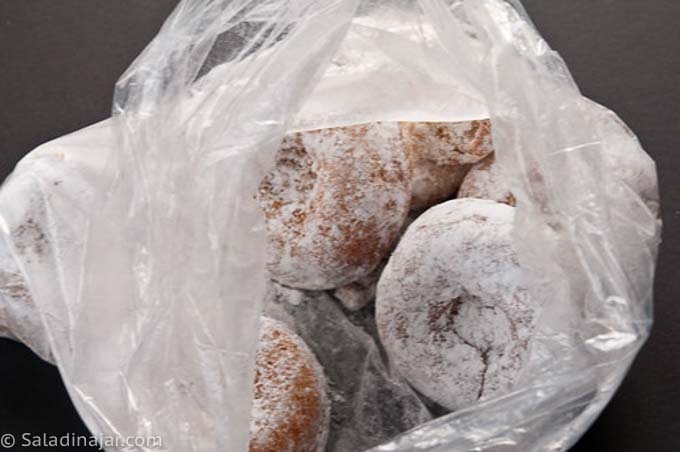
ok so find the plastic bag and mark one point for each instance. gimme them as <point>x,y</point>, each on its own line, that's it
<point>152,314</point>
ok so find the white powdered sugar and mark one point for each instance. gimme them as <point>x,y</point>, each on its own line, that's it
<point>336,198</point>
<point>360,293</point>
<point>485,181</point>
<point>453,307</point>
<point>291,410</point>
<point>628,173</point>
<point>334,204</point>
<point>441,155</point>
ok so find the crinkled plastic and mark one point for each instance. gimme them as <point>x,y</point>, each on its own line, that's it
<point>142,246</point>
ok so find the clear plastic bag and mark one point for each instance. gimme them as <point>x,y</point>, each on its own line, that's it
<point>152,314</point>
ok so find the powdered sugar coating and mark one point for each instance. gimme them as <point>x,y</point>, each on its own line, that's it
<point>453,308</point>
<point>360,293</point>
<point>633,170</point>
<point>334,204</point>
<point>291,410</point>
<point>485,181</point>
<point>441,155</point>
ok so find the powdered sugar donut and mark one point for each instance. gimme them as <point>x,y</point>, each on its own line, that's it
<point>291,411</point>
<point>453,308</point>
<point>334,204</point>
<point>485,181</point>
<point>631,171</point>
<point>44,207</point>
<point>441,154</point>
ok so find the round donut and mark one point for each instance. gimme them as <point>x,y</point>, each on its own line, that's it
<point>452,307</point>
<point>485,181</point>
<point>291,410</point>
<point>441,154</point>
<point>631,170</point>
<point>334,204</point>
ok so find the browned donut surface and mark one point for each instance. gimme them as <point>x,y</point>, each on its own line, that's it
<point>441,154</point>
<point>334,204</point>
<point>290,405</point>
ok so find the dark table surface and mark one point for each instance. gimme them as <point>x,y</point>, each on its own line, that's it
<point>60,59</point>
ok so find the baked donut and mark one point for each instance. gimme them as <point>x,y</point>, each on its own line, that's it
<point>291,410</point>
<point>485,181</point>
<point>441,154</point>
<point>334,204</point>
<point>453,308</point>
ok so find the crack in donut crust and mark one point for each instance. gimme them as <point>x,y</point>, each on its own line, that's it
<point>449,310</point>
<point>452,309</point>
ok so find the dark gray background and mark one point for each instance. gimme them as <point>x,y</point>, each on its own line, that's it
<point>60,59</point>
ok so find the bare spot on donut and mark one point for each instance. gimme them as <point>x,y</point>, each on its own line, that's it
<point>401,327</point>
<point>441,316</point>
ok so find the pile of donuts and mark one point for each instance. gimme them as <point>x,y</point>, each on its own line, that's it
<point>415,217</point>
<point>409,220</point>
